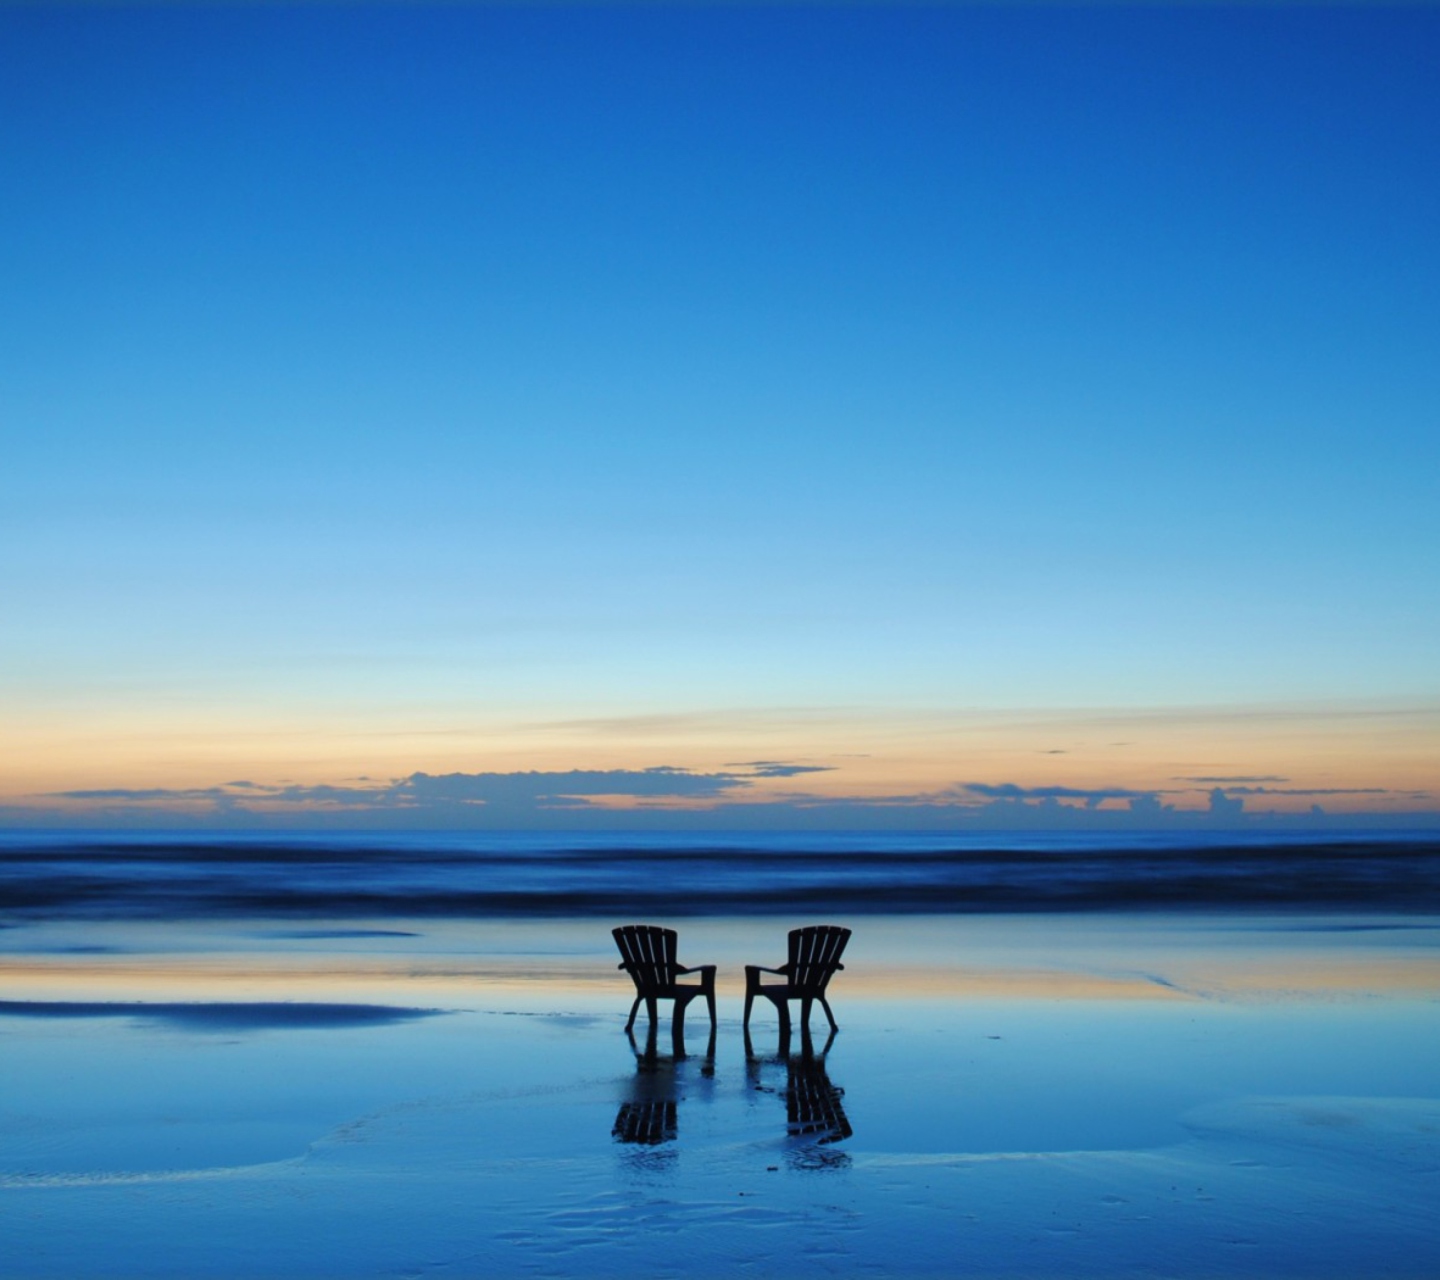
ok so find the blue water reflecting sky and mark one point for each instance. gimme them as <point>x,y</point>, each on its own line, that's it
<point>1160,1083</point>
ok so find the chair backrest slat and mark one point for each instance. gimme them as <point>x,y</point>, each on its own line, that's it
<point>648,954</point>
<point>815,953</point>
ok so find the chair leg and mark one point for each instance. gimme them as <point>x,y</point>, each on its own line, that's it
<point>652,1011</point>
<point>630,1026</point>
<point>825,1004</point>
<point>782,1007</point>
<point>707,989</point>
<point>749,1000</point>
<point>807,1045</point>
<point>805,1006</point>
<point>783,1048</point>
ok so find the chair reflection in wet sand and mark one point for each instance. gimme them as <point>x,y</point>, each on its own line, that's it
<point>812,1103</point>
<point>815,953</point>
<point>648,955</point>
<point>814,1113</point>
<point>650,1116</point>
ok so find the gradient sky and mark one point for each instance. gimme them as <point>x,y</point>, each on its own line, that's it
<point>939,398</point>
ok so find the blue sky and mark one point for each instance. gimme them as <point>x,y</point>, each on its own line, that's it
<point>398,389</point>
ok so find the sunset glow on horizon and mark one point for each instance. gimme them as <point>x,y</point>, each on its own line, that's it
<point>832,415</point>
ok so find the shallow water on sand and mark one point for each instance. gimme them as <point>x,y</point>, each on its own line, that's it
<point>1008,1096</point>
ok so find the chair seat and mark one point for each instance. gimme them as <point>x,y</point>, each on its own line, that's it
<point>782,990</point>
<point>670,991</point>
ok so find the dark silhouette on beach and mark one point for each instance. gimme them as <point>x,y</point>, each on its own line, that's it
<point>815,1118</point>
<point>814,958</point>
<point>648,955</point>
<point>650,1115</point>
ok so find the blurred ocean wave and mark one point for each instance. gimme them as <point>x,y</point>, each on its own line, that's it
<point>108,875</point>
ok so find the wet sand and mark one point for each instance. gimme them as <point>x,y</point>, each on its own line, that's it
<point>1195,1095</point>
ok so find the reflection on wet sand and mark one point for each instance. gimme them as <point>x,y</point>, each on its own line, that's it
<point>815,1119</point>
<point>815,1116</point>
<point>650,1115</point>
<point>224,1016</point>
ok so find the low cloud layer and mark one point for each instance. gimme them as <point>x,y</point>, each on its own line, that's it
<point>1243,778</point>
<point>527,789</point>
<point>669,795</point>
<point>1308,791</point>
<point>1093,797</point>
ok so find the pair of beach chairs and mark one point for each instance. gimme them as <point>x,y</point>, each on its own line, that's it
<point>648,954</point>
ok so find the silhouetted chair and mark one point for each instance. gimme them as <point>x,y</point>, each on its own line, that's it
<point>815,953</point>
<point>648,956</point>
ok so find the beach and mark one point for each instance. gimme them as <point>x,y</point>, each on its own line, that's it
<point>1107,1093</point>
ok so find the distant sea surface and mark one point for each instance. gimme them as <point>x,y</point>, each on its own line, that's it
<point>160,875</point>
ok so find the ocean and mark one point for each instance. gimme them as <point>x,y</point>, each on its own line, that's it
<point>437,874</point>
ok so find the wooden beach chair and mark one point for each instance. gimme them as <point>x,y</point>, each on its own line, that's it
<point>814,959</point>
<point>648,956</point>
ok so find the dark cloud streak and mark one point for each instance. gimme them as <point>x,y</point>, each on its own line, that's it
<point>1209,781</point>
<point>520,789</point>
<point>1092,796</point>
<point>1308,791</point>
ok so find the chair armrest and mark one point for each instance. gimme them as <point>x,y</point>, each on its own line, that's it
<point>783,971</point>
<point>699,968</point>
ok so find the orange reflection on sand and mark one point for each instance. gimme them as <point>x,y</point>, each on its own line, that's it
<point>1316,977</point>
<point>458,980</point>
<point>1016,984</point>
<point>443,981</point>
